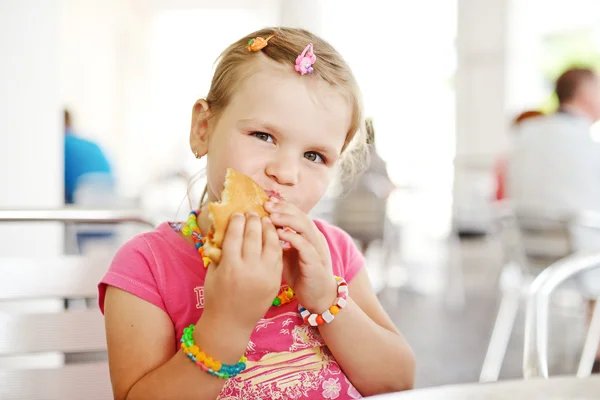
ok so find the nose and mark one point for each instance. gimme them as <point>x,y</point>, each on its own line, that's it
<point>283,169</point>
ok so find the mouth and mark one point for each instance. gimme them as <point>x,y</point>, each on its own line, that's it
<point>274,193</point>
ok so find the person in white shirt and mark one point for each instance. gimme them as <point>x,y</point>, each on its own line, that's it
<point>554,167</point>
<point>555,164</point>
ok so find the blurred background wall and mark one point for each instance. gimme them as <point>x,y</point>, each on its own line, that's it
<point>440,77</point>
<point>31,135</point>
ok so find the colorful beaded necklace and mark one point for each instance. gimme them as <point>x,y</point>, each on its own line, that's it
<point>191,228</point>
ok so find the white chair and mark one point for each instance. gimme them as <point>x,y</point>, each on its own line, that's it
<point>530,241</point>
<point>78,334</point>
<point>36,333</point>
<point>363,215</point>
<point>535,355</point>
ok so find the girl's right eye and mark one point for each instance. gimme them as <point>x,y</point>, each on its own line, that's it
<point>263,136</point>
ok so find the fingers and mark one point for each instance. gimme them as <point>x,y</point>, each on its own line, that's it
<point>274,205</point>
<point>254,241</point>
<point>306,250</point>
<point>232,243</point>
<point>284,214</point>
<point>271,249</point>
<point>253,237</point>
<point>269,234</point>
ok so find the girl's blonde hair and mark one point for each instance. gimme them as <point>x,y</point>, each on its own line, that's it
<point>286,44</point>
<point>283,48</point>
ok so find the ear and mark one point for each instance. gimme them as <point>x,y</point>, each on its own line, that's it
<point>199,129</point>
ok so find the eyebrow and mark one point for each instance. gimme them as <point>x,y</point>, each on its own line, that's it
<point>271,128</point>
<point>264,125</point>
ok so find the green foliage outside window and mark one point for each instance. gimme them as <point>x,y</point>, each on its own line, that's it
<point>565,50</point>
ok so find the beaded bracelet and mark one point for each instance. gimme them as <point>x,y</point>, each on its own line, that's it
<point>213,367</point>
<point>329,315</point>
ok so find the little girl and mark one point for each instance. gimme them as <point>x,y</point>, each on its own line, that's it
<point>266,322</point>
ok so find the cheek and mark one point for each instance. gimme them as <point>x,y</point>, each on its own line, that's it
<point>215,178</point>
<point>232,152</point>
<point>218,160</point>
<point>242,154</point>
<point>314,189</point>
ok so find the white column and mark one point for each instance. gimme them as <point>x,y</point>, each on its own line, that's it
<point>481,97</point>
<point>526,87</point>
<point>481,78</point>
<point>31,138</point>
<point>92,50</point>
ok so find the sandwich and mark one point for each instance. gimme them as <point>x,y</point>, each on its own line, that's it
<point>240,194</point>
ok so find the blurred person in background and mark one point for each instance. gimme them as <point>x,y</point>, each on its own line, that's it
<point>84,162</point>
<point>500,169</point>
<point>89,182</point>
<point>555,164</point>
<point>554,167</point>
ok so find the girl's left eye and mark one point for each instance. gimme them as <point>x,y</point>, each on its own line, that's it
<point>314,157</point>
<point>263,136</point>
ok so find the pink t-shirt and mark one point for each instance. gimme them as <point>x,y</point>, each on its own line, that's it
<point>286,359</point>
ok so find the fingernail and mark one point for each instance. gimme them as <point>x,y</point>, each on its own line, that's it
<point>237,215</point>
<point>269,204</point>
<point>274,215</point>
<point>267,220</point>
<point>274,200</point>
<point>252,214</point>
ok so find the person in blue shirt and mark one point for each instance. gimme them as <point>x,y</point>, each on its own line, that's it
<point>82,157</point>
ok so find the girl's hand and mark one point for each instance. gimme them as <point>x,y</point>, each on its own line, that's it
<point>241,288</point>
<point>307,267</point>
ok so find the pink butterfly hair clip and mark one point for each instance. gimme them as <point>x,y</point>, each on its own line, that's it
<point>305,61</point>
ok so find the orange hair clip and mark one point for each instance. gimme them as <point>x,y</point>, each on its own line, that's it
<point>258,43</point>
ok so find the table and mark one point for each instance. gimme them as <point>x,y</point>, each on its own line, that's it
<point>556,388</point>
